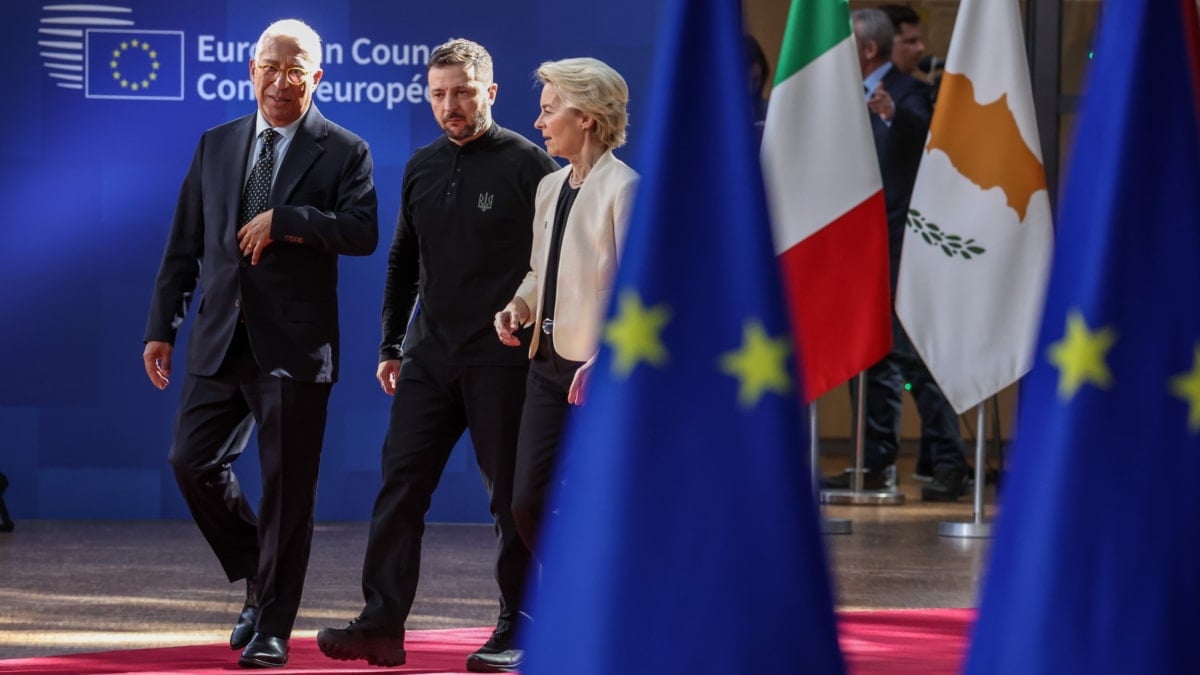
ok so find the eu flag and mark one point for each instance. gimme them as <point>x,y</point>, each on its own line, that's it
<point>686,537</point>
<point>1096,563</point>
<point>137,64</point>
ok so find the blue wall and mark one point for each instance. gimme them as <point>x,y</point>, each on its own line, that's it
<point>90,184</point>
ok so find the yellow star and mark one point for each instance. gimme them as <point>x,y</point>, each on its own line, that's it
<point>635,334</point>
<point>759,365</point>
<point>1187,387</point>
<point>1080,356</point>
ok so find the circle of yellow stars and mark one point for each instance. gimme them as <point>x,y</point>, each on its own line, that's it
<point>1081,358</point>
<point>759,364</point>
<point>134,46</point>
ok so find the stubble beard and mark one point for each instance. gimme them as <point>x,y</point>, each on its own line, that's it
<point>479,122</point>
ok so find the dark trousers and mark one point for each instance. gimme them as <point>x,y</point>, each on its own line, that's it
<point>885,389</point>
<point>216,416</point>
<point>432,406</point>
<point>543,420</point>
<point>4,517</point>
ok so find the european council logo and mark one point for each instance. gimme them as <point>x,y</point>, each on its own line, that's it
<point>96,48</point>
<point>141,64</point>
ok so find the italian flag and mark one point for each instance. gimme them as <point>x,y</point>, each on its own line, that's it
<point>826,199</point>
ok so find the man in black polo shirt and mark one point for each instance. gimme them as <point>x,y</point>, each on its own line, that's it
<point>462,244</point>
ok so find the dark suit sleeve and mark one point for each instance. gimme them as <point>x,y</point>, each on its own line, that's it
<point>351,227</point>
<point>403,273</point>
<point>914,110</point>
<point>180,269</point>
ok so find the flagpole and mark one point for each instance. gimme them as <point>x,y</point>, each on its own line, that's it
<point>976,529</point>
<point>856,495</point>
<point>828,525</point>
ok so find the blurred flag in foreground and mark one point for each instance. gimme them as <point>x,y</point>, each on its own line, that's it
<point>826,199</point>
<point>1094,567</point>
<point>685,536</point>
<point>979,238</point>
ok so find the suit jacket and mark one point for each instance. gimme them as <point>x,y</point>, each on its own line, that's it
<point>591,247</point>
<point>899,148</point>
<point>325,206</point>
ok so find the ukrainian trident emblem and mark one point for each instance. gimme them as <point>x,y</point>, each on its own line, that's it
<point>485,201</point>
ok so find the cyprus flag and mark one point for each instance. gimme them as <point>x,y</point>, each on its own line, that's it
<point>978,243</point>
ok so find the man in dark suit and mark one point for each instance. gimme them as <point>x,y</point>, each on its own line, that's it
<point>269,203</point>
<point>462,244</point>
<point>900,112</point>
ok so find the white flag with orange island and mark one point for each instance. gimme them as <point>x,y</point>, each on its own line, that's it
<point>979,236</point>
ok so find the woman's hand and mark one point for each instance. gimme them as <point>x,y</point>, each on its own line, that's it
<point>575,394</point>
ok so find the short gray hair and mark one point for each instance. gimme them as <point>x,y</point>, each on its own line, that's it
<point>592,87</point>
<point>302,33</point>
<point>465,53</point>
<point>873,25</point>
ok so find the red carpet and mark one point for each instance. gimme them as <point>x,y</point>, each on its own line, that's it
<point>926,641</point>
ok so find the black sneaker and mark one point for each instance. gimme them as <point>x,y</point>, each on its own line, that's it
<point>364,641</point>
<point>498,655</point>
<point>947,486</point>
<point>872,480</point>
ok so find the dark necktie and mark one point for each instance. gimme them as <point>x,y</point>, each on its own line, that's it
<point>258,187</point>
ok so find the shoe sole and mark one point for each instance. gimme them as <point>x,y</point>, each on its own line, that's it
<point>259,663</point>
<point>338,652</point>
<point>477,666</point>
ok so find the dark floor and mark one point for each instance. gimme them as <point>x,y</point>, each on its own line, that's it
<point>77,586</point>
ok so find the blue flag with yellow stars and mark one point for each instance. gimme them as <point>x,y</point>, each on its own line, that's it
<point>1096,563</point>
<point>684,537</point>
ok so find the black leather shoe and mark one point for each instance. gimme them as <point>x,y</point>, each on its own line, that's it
<point>264,651</point>
<point>243,630</point>
<point>497,655</point>
<point>872,480</point>
<point>947,486</point>
<point>365,641</point>
<point>507,661</point>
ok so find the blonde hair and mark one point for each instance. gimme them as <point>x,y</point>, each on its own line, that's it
<point>592,87</point>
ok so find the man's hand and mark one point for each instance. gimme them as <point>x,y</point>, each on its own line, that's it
<point>881,103</point>
<point>387,373</point>
<point>157,359</point>
<point>256,235</point>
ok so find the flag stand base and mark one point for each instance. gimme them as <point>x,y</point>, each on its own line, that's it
<point>965,530</point>
<point>977,528</point>
<point>864,498</point>
<point>836,526</point>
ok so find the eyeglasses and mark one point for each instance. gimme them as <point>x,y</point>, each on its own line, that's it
<point>294,75</point>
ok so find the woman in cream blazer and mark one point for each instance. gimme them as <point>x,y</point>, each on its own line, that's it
<point>580,217</point>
